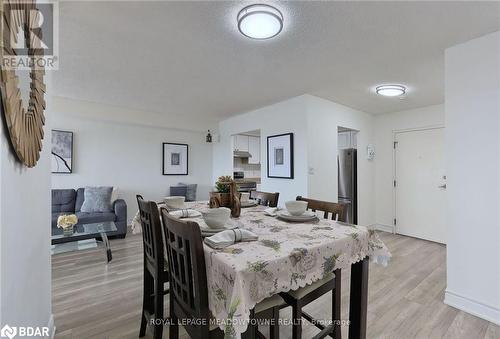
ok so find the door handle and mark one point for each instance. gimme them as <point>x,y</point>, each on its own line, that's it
<point>442,186</point>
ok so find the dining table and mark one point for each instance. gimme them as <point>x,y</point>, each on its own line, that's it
<point>286,256</point>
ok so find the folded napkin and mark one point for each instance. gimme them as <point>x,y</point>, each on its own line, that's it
<point>271,211</point>
<point>184,213</point>
<point>226,238</point>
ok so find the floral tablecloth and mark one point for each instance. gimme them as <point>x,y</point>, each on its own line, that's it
<point>286,256</point>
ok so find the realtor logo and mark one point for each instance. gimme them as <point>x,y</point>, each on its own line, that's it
<point>30,34</point>
<point>9,332</point>
<point>30,23</point>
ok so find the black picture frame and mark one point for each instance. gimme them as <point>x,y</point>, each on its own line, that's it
<point>59,157</point>
<point>164,169</point>
<point>290,157</point>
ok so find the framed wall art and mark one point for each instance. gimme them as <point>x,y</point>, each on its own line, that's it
<point>280,156</point>
<point>62,152</point>
<point>175,159</point>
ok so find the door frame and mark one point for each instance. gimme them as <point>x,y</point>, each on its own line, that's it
<point>394,174</point>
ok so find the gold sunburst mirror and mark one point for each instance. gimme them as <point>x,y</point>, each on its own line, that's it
<point>22,101</point>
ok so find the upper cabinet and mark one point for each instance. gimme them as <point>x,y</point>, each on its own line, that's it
<point>250,144</point>
<point>240,143</point>
<point>254,150</point>
<point>347,139</point>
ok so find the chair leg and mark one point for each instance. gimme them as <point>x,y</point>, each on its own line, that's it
<point>158,310</point>
<point>251,332</point>
<point>142,331</point>
<point>274,328</point>
<point>174,325</point>
<point>297,321</point>
<point>336,303</point>
<point>146,302</point>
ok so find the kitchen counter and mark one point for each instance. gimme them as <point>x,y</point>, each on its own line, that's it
<point>248,180</point>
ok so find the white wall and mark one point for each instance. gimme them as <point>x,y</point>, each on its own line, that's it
<point>126,155</point>
<point>324,117</point>
<point>385,126</point>
<point>25,269</point>
<point>472,103</point>
<point>284,117</point>
<point>314,123</point>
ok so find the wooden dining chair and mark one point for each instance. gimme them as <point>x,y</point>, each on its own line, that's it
<point>265,198</point>
<point>189,287</point>
<point>305,295</point>
<point>336,210</point>
<point>155,270</point>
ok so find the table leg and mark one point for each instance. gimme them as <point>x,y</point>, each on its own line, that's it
<point>358,299</point>
<point>106,246</point>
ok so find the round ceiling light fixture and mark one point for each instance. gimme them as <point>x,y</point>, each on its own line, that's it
<point>260,21</point>
<point>391,90</point>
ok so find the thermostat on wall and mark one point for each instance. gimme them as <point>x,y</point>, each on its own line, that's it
<point>370,152</point>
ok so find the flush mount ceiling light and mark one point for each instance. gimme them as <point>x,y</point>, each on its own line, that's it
<point>260,21</point>
<point>391,90</point>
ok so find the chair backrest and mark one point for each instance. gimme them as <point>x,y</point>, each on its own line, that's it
<point>152,235</point>
<point>337,210</point>
<point>186,260</point>
<point>265,198</point>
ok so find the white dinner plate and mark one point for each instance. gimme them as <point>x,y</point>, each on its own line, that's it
<point>250,203</point>
<point>307,216</point>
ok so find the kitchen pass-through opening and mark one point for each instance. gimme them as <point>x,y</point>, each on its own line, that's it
<point>247,160</point>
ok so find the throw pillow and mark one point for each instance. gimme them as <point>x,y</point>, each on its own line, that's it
<point>178,191</point>
<point>114,195</point>
<point>190,191</point>
<point>97,199</point>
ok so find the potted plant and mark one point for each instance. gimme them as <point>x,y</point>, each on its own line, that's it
<point>226,195</point>
<point>67,222</point>
<point>221,197</point>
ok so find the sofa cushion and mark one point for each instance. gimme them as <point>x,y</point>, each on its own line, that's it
<point>90,218</point>
<point>80,196</point>
<point>190,191</point>
<point>63,200</point>
<point>97,199</point>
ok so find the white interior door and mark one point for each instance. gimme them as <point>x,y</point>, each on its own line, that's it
<point>420,187</point>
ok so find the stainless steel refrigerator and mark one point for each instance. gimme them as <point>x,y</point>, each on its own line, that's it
<point>347,182</point>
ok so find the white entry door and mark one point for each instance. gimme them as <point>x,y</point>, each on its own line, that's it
<point>420,185</point>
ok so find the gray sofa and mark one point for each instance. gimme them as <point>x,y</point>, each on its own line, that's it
<point>69,201</point>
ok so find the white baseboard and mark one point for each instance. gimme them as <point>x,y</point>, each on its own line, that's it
<point>52,327</point>
<point>384,228</point>
<point>473,307</point>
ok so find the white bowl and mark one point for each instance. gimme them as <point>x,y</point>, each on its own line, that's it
<point>176,202</point>
<point>245,197</point>
<point>296,207</point>
<point>216,217</point>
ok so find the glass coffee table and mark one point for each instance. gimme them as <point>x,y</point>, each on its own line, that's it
<point>84,237</point>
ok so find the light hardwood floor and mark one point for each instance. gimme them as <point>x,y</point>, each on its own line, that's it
<point>93,300</point>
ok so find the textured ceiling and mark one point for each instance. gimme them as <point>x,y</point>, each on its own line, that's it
<point>187,58</point>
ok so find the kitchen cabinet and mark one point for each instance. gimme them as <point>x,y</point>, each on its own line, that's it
<point>240,143</point>
<point>347,139</point>
<point>254,150</point>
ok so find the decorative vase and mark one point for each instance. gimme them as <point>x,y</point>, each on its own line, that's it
<point>67,231</point>
<point>231,199</point>
<point>220,199</point>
